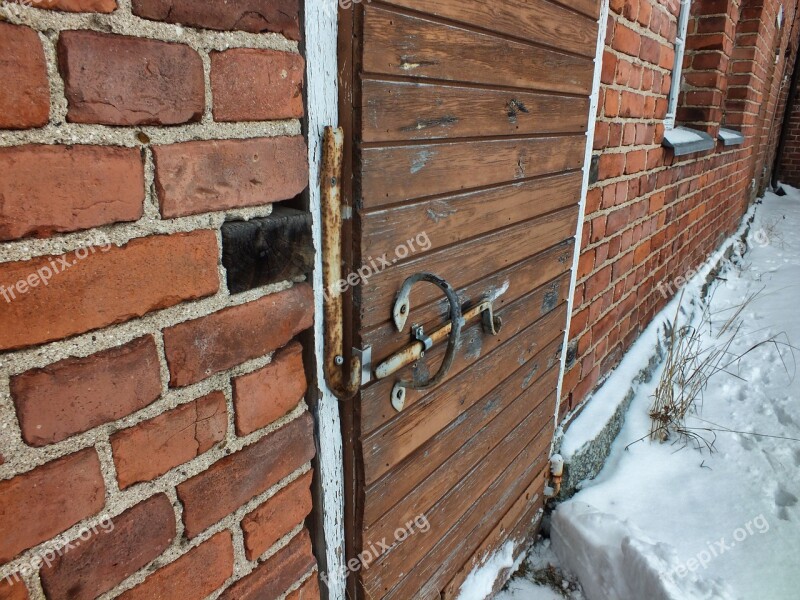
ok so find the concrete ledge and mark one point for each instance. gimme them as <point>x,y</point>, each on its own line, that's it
<point>730,137</point>
<point>683,141</point>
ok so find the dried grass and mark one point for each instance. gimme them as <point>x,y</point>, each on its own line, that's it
<point>690,363</point>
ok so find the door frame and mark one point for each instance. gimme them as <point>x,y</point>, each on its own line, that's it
<point>322,94</point>
<point>594,101</point>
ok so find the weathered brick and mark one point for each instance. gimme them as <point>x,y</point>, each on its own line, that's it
<point>237,478</point>
<point>86,186</point>
<point>152,448</point>
<point>255,16</point>
<point>197,349</point>
<point>261,397</point>
<point>77,394</point>
<point>276,517</point>
<point>194,576</point>
<point>140,534</point>
<point>308,591</point>
<point>121,80</point>
<point>257,85</point>
<point>203,176</point>
<point>13,589</point>
<point>25,93</point>
<point>99,286</point>
<point>273,577</point>
<point>48,500</point>
<point>98,6</point>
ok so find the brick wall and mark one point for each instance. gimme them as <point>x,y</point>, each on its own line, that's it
<point>651,216</point>
<point>789,168</point>
<point>155,439</point>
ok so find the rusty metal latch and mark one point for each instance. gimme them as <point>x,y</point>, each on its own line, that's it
<point>422,342</point>
<point>343,385</point>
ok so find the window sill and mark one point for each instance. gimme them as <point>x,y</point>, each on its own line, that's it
<point>683,141</point>
<point>730,137</point>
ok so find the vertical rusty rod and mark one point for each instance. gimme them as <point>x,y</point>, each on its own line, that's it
<point>333,307</point>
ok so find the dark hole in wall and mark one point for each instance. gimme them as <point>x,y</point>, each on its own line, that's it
<point>267,250</point>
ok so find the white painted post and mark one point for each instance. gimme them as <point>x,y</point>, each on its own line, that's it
<point>587,161</point>
<point>322,89</point>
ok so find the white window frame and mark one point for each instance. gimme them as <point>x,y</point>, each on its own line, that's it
<point>677,67</point>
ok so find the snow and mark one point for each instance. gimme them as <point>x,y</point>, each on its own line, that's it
<point>675,521</point>
<point>480,582</point>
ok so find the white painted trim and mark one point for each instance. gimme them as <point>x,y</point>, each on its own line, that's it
<point>322,89</point>
<point>587,162</point>
<point>677,66</point>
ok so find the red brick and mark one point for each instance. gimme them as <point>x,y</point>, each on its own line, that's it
<point>194,576</point>
<point>121,80</point>
<point>276,517</point>
<point>105,287</point>
<point>626,40</point>
<point>152,448</point>
<point>261,397</point>
<point>78,394</point>
<point>273,577</point>
<point>257,85</point>
<point>48,500</point>
<point>234,480</point>
<point>25,93</point>
<point>255,16</point>
<point>308,591</point>
<point>140,534</point>
<point>198,177</point>
<point>611,165</point>
<point>635,161</point>
<point>86,186</point>
<point>14,589</point>
<point>98,6</point>
<point>197,349</point>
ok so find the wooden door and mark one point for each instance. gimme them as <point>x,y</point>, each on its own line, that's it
<point>466,123</point>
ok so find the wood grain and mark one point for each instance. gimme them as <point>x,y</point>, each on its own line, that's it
<point>389,445</point>
<point>410,46</point>
<point>414,486</point>
<point>533,20</point>
<point>453,219</point>
<point>376,406</point>
<point>472,261</point>
<point>403,173</point>
<point>407,110</point>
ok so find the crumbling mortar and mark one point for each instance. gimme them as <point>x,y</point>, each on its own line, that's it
<point>108,135</point>
<point>123,22</point>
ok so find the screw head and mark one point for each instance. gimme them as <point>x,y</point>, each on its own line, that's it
<point>339,360</point>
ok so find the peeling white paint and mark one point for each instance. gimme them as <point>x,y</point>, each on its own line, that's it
<point>321,82</point>
<point>593,102</point>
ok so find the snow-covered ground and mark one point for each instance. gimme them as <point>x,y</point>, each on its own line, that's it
<point>670,521</point>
